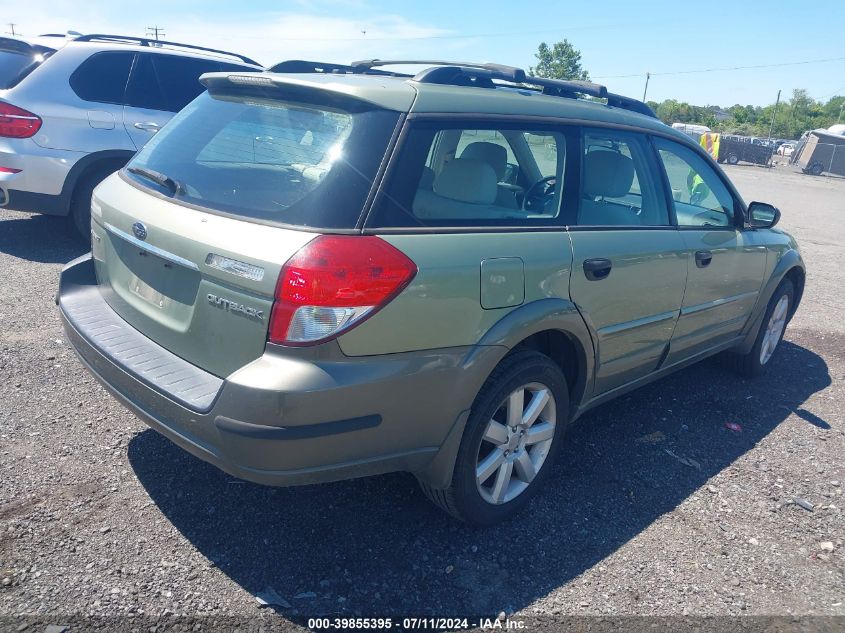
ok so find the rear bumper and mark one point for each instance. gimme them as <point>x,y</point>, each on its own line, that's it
<point>291,416</point>
<point>40,182</point>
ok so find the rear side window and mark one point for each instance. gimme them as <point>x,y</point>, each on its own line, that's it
<point>169,82</point>
<point>474,176</point>
<point>102,77</point>
<point>300,162</point>
<point>619,186</point>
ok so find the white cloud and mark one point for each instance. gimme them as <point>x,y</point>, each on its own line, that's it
<point>319,34</point>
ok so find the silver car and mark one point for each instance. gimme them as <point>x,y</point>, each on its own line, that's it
<point>74,109</point>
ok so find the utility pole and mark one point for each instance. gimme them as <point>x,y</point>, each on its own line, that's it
<point>11,30</point>
<point>772,126</point>
<point>647,77</point>
<point>155,31</point>
<point>841,107</point>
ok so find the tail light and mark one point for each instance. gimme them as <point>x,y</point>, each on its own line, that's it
<point>332,284</point>
<point>16,122</point>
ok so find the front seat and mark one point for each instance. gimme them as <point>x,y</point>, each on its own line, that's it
<point>496,156</point>
<point>607,174</point>
<point>464,190</point>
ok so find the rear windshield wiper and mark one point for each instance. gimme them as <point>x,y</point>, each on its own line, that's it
<point>160,179</point>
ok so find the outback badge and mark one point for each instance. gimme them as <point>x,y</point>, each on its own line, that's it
<point>237,308</point>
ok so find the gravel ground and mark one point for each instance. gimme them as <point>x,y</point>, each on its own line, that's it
<point>101,516</point>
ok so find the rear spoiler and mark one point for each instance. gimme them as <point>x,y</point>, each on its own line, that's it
<point>399,98</point>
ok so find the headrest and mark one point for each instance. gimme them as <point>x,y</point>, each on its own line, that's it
<point>494,155</point>
<point>467,180</point>
<point>426,178</point>
<point>607,174</point>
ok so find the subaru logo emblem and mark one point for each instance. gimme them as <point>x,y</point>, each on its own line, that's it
<point>139,230</point>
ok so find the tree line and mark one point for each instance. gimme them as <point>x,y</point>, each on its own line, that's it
<point>792,116</point>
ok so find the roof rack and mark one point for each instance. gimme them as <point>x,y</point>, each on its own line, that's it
<point>481,75</point>
<point>143,41</point>
<point>303,66</point>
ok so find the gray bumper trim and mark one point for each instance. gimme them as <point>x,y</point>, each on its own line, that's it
<point>90,315</point>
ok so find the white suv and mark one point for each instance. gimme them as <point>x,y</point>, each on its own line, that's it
<point>75,109</point>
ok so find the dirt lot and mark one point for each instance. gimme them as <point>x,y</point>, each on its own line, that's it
<point>101,516</point>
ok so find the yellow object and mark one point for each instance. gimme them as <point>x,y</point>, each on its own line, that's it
<point>710,142</point>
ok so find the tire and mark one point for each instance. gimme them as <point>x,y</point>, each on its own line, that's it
<point>815,169</point>
<point>475,502</point>
<point>80,205</point>
<point>754,363</point>
<point>732,159</point>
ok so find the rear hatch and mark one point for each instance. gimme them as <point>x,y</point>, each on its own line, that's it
<point>190,237</point>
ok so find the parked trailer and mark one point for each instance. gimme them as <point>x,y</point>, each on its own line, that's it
<point>727,148</point>
<point>733,149</point>
<point>821,152</point>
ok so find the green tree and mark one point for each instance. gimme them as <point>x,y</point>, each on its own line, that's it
<point>561,61</point>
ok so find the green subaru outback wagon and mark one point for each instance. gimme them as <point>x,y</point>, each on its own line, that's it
<point>323,272</point>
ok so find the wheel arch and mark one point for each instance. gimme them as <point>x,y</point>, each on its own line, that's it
<point>552,326</point>
<point>85,167</point>
<point>789,266</point>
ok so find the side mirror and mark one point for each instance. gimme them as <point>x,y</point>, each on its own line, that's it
<point>511,173</point>
<point>762,215</point>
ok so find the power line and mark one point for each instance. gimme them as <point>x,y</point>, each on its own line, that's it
<point>725,68</point>
<point>155,31</point>
<point>445,36</point>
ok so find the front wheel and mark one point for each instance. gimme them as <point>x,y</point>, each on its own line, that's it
<point>771,332</point>
<point>513,432</point>
<point>733,159</point>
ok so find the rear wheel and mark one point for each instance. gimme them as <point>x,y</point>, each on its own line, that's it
<point>771,332</point>
<point>732,159</point>
<point>80,205</point>
<point>513,432</point>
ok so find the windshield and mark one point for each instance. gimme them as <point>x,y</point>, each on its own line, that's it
<point>297,162</point>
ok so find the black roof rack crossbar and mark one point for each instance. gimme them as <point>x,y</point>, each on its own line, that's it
<point>463,76</point>
<point>143,41</point>
<point>303,66</point>
<point>506,73</point>
<point>629,103</point>
<point>567,88</point>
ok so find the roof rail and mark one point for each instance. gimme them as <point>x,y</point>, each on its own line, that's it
<point>303,66</point>
<point>508,73</point>
<point>481,75</point>
<point>143,41</point>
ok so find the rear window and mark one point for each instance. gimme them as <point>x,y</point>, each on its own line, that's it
<point>302,162</point>
<point>15,65</point>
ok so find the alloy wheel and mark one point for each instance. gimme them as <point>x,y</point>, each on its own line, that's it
<point>516,443</point>
<point>774,329</point>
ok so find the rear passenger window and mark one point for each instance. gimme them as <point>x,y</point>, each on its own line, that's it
<point>618,184</point>
<point>168,82</point>
<point>102,77</point>
<point>474,176</point>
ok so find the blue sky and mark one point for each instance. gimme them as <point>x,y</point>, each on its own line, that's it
<point>620,40</point>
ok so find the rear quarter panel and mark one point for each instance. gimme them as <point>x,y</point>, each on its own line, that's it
<point>442,305</point>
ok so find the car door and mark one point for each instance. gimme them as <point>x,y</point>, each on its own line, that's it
<point>159,86</point>
<point>95,123</point>
<point>629,268</point>
<point>725,263</point>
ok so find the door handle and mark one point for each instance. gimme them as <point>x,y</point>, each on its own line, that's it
<point>597,269</point>
<point>148,126</point>
<point>703,258</point>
